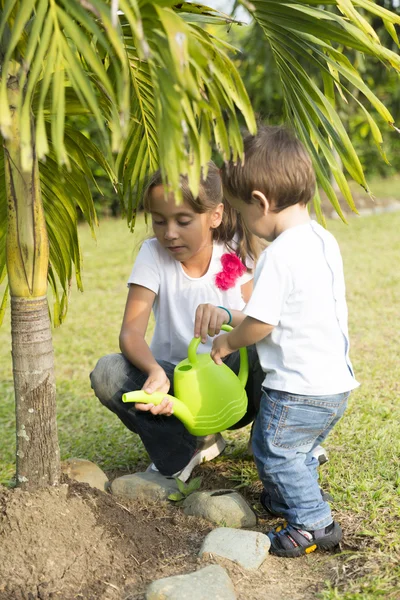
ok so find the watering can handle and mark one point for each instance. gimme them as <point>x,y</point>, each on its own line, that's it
<point>244,359</point>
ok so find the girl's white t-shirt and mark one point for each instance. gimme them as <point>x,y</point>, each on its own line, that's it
<point>178,296</point>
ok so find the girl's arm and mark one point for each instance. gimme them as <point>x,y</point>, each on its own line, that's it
<point>135,348</point>
<point>209,318</point>
<point>133,329</point>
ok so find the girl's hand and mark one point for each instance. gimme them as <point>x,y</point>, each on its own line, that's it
<point>157,381</point>
<point>221,348</point>
<point>209,320</point>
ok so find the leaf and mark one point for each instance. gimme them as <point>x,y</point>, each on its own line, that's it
<point>193,485</point>
<point>318,209</point>
<point>3,305</point>
<point>21,18</point>
<point>176,497</point>
<point>5,14</point>
<point>181,486</point>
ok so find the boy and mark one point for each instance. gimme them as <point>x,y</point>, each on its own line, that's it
<point>297,316</point>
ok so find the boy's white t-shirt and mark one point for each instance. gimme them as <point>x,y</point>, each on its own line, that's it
<point>178,296</point>
<point>299,288</point>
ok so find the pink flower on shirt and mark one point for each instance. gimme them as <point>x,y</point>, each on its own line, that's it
<point>232,269</point>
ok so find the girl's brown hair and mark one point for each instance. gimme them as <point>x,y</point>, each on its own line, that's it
<point>210,195</point>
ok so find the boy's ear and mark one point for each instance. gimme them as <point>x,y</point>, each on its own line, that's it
<point>260,199</point>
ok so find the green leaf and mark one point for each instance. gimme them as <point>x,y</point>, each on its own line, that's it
<point>58,116</point>
<point>3,305</point>
<point>176,497</point>
<point>318,209</point>
<point>193,485</point>
<point>181,486</point>
<point>6,12</point>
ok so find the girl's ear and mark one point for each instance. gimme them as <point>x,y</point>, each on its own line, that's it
<point>216,215</point>
<point>260,200</point>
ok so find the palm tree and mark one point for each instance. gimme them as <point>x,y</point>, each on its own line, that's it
<point>160,88</point>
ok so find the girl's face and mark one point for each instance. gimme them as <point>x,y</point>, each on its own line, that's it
<point>179,229</point>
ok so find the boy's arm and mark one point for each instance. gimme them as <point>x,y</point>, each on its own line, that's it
<point>250,331</point>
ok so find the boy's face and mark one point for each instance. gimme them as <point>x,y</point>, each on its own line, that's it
<point>257,216</point>
<point>179,229</point>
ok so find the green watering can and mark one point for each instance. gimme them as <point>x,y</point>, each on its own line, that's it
<point>209,398</point>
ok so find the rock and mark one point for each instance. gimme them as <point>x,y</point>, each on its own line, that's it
<point>210,582</point>
<point>248,549</point>
<point>144,486</point>
<point>85,471</point>
<point>222,507</point>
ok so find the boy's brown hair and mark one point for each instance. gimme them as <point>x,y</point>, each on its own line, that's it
<point>276,164</point>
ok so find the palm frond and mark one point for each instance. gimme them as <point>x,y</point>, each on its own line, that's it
<point>139,153</point>
<point>72,46</point>
<point>186,93</point>
<point>64,191</point>
<point>307,39</point>
<point>62,51</point>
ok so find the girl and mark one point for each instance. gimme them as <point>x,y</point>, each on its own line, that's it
<point>195,274</point>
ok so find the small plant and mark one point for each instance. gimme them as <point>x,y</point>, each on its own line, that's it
<point>185,489</point>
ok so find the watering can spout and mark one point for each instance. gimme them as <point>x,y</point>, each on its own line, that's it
<point>180,409</point>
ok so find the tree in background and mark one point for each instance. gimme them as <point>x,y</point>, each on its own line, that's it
<point>161,90</point>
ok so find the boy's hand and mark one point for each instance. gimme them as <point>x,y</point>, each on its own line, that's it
<point>209,320</point>
<point>157,381</point>
<point>221,348</point>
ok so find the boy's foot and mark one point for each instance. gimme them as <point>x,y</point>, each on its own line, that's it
<point>290,542</point>
<point>209,447</point>
<point>320,454</point>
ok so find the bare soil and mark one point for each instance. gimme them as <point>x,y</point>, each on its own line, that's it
<point>75,542</point>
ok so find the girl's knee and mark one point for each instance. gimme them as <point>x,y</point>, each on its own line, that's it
<point>108,376</point>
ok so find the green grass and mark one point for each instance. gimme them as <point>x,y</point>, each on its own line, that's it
<point>363,473</point>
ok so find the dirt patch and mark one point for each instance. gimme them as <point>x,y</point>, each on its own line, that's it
<point>74,542</point>
<point>50,546</point>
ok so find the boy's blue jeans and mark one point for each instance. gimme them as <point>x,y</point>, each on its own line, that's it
<point>288,427</point>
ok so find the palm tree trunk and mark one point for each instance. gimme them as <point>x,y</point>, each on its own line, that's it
<point>38,457</point>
